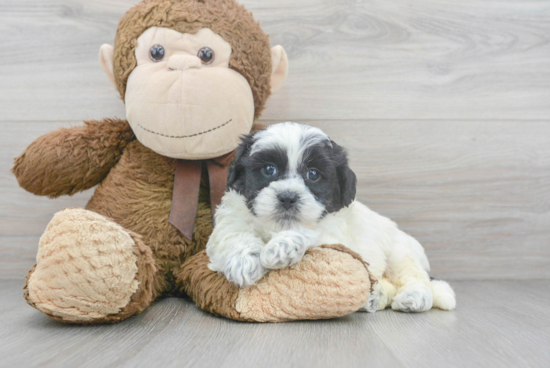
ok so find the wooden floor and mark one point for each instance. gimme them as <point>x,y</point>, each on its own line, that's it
<point>497,324</point>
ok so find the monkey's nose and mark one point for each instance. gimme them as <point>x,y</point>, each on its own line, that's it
<point>183,62</point>
<point>288,200</point>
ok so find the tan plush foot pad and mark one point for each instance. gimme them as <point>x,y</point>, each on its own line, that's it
<point>330,281</point>
<point>90,270</point>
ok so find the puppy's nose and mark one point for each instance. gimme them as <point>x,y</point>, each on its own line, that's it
<point>288,200</point>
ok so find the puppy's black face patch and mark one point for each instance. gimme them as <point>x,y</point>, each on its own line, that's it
<point>261,169</point>
<point>318,170</point>
<point>248,175</point>
<point>326,173</point>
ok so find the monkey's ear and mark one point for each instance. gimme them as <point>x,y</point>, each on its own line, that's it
<point>279,62</point>
<point>106,60</point>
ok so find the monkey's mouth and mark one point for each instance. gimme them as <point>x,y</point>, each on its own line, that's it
<point>185,136</point>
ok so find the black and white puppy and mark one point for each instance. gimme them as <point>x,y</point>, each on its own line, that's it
<point>290,188</point>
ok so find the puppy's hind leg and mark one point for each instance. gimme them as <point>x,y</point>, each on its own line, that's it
<point>408,269</point>
<point>414,293</point>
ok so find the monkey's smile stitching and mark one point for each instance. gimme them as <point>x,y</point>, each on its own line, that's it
<point>186,136</point>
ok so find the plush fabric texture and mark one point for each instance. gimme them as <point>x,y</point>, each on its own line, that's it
<point>47,168</point>
<point>330,281</point>
<point>137,194</point>
<point>210,290</point>
<point>251,54</point>
<point>89,269</point>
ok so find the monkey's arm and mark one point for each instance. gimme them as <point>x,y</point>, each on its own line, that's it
<point>71,160</point>
<point>330,281</point>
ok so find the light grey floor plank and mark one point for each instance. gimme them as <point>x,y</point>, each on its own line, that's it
<point>475,193</point>
<point>373,59</point>
<point>497,324</point>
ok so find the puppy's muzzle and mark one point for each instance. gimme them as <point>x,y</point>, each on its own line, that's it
<point>288,200</point>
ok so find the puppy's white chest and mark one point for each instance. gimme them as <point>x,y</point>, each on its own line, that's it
<point>335,231</point>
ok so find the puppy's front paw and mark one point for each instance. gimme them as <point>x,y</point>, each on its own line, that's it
<point>244,269</point>
<point>417,298</point>
<point>282,251</point>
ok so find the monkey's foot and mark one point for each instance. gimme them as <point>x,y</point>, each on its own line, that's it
<point>330,281</point>
<point>90,270</point>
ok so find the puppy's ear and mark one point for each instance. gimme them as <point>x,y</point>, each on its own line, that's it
<point>346,177</point>
<point>236,175</point>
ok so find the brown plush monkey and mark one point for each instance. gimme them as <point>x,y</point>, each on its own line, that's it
<point>194,76</point>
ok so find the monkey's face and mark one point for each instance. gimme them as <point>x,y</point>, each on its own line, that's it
<point>182,99</point>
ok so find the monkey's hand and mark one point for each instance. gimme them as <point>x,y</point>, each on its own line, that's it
<point>71,160</point>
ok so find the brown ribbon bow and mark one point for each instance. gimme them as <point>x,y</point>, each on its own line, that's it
<point>185,197</point>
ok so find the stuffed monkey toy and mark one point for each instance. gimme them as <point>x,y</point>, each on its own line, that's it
<point>194,76</point>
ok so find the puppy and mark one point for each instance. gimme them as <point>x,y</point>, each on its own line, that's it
<point>290,188</point>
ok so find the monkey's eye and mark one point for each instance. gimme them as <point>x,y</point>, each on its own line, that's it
<point>313,175</point>
<point>269,170</point>
<point>206,54</point>
<point>157,53</point>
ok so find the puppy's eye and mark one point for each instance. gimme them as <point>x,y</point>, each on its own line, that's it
<point>157,53</point>
<point>269,170</point>
<point>206,54</point>
<point>313,175</point>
